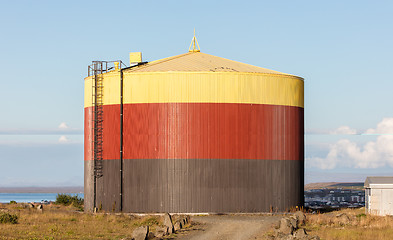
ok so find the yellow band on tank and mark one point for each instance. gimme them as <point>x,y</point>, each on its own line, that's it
<point>111,89</point>
<point>201,87</point>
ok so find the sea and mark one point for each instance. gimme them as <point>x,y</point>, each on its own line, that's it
<point>31,197</point>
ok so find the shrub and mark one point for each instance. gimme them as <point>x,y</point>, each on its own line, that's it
<point>8,218</point>
<point>12,202</point>
<point>66,200</point>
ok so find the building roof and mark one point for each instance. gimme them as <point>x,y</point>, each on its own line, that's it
<point>200,62</point>
<point>378,180</point>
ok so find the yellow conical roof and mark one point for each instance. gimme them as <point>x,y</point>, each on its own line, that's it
<point>199,62</point>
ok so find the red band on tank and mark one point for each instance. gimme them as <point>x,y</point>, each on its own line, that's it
<point>111,132</point>
<point>202,131</point>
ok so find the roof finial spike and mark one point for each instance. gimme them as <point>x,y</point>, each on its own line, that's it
<point>194,46</point>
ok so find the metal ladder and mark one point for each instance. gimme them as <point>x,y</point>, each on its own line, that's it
<point>96,70</point>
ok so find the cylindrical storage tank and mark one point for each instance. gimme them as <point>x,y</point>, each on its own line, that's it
<point>199,133</point>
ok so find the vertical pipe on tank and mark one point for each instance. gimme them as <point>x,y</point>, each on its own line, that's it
<point>94,137</point>
<point>121,139</point>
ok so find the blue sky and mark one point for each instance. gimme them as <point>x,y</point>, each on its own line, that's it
<point>343,49</point>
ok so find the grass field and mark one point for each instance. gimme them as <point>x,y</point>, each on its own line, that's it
<point>350,224</point>
<point>65,222</point>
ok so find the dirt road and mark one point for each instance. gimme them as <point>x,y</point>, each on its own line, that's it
<point>236,227</point>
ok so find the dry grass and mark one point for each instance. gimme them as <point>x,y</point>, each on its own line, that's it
<point>60,222</point>
<point>350,224</point>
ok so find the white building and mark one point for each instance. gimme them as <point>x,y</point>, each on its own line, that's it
<point>379,195</point>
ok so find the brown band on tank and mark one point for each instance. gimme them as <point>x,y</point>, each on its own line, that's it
<point>202,185</point>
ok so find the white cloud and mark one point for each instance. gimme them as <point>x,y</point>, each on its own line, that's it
<point>384,127</point>
<point>373,154</point>
<point>64,139</point>
<point>62,129</point>
<point>63,125</point>
<point>344,130</point>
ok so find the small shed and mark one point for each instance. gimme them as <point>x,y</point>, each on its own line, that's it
<point>379,195</point>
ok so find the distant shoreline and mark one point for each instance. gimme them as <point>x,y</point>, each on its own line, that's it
<point>41,189</point>
<point>79,189</point>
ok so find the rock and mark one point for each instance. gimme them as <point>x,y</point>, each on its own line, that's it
<point>188,219</point>
<point>282,236</point>
<point>140,233</point>
<point>168,223</point>
<point>301,217</point>
<point>95,210</point>
<point>343,219</point>
<point>152,236</point>
<point>31,205</point>
<point>159,235</point>
<point>294,222</point>
<point>161,232</point>
<point>300,234</point>
<point>183,222</point>
<point>40,208</point>
<point>23,205</point>
<point>177,226</point>
<point>314,238</point>
<point>285,226</point>
<point>276,225</point>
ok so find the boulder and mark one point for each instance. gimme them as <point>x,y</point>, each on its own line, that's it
<point>314,238</point>
<point>40,208</point>
<point>300,234</point>
<point>294,222</point>
<point>301,217</point>
<point>177,226</point>
<point>285,226</point>
<point>31,205</point>
<point>168,223</point>
<point>152,236</point>
<point>23,205</point>
<point>282,236</point>
<point>188,219</point>
<point>140,233</point>
<point>161,232</point>
<point>183,222</point>
<point>342,219</point>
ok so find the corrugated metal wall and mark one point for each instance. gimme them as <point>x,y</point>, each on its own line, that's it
<point>201,142</point>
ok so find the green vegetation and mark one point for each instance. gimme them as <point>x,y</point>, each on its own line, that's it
<point>66,200</point>
<point>13,202</point>
<point>8,218</point>
<point>361,215</point>
<point>149,221</point>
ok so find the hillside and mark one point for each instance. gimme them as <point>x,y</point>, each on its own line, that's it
<point>344,185</point>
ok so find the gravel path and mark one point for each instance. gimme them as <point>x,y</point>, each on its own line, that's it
<point>237,227</point>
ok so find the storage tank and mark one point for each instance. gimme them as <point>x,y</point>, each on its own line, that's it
<point>193,133</point>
